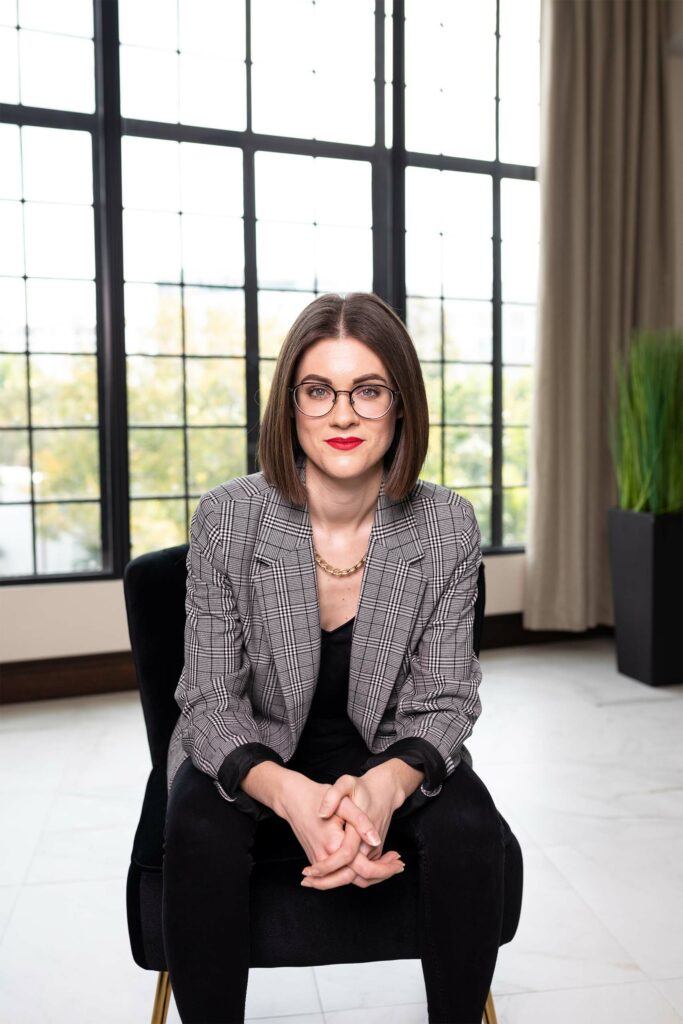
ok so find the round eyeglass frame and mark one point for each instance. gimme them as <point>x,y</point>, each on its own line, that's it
<point>342,391</point>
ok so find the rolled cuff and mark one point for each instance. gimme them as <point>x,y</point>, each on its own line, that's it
<point>419,753</point>
<point>235,767</point>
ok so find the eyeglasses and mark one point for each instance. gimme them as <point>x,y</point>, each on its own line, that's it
<point>371,401</point>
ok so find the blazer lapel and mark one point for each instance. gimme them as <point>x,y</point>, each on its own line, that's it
<point>285,586</point>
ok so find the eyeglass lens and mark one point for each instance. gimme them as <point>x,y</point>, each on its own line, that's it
<point>369,400</point>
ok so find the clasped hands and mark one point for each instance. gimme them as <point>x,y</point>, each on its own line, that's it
<point>342,828</point>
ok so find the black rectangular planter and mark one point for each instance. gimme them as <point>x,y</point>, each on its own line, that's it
<point>646,559</point>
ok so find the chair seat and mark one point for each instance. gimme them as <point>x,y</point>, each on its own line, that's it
<point>290,925</point>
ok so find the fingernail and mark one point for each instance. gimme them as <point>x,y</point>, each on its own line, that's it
<point>305,881</point>
<point>374,838</point>
<point>306,871</point>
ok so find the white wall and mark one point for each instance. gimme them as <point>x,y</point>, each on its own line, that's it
<point>65,619</point>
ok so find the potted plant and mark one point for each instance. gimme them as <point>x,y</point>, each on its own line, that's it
<point>645,531</point>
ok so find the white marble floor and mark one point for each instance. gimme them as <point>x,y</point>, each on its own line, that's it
<point>585,764</point>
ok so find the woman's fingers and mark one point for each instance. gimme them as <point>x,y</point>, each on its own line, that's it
<point>339,858</point>
<point>339,799</point>
<point>370,873</point>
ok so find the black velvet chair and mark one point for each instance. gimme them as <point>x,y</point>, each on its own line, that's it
<point>154,586</point>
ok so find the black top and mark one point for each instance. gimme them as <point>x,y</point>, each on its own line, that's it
<point>329,735</point>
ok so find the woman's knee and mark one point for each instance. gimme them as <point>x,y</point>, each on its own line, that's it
<point>198,817</point>
<point>463,814</point>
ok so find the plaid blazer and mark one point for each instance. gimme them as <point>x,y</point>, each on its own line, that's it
<point>252,632</point>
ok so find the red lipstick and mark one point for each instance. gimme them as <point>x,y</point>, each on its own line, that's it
<point>344,444</point>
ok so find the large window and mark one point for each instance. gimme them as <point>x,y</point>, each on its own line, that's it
<point>178,179</point>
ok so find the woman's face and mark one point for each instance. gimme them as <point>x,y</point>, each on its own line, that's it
<point>340,362</point>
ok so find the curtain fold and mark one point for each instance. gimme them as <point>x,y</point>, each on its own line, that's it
<point>606,266</point>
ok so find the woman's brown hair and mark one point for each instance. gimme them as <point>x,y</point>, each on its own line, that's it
<point>366,317</point>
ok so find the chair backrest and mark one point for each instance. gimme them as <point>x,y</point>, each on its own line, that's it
<point>154,587</point>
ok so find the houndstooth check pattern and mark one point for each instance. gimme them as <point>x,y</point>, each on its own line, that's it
<point>252,632</point>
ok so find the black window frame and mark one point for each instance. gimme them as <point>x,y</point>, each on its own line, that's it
<point>388,167</point>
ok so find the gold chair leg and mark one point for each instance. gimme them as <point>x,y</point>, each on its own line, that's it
<point>162,998</point>
<point>490,1010</point>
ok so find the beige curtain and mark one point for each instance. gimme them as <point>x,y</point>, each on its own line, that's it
<point>605,267</point>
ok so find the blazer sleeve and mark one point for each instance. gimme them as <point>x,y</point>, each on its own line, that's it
<point>219,734</point>
<point>439,699</point>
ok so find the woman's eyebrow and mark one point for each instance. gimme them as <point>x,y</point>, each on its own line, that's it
<point>356,380</point>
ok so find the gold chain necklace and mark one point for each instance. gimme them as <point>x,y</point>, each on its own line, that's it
<point>337,572</point>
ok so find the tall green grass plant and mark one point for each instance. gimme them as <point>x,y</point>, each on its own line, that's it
<point>646,426</point>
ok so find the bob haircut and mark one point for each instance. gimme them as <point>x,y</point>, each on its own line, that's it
<point>366,317</point>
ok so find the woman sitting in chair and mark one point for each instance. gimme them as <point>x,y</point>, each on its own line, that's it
<point>330,679</point>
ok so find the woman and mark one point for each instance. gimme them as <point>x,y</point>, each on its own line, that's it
<point>329,678</point>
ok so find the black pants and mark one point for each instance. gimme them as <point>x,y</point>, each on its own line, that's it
<point>458,837</point>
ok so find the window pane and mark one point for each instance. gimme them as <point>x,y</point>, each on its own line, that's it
<point>157,524</point>
<point>62,316</point>
<point>60,240</point>
<point>265,372</point>
<point>211,179</point>
<point>66,464</point>
<point>216,392</point>
<point>468,393</point>
<point>300,96</point>
<point>424,326</point>
<point>468,330</point>
<point>16,554</point>
<point>515,455</point>
<point>13,319</point>
<point>74,18</point>
<point>450,69</point>
<point>519,333</point>
<point>155,390</point>
<point>468,454</point>
<point>432,465</point>
<point>449,225</point>
<point>56,71</point>
<point>343,259</point>
<point>214,321</point>
<point>154,23</point>
<point>68,538</point>
<point>515,511</point>
<point>153,316</point>
<point>277,311</point>
<point>10,165</point>
<point>213,91</point>
<point>520,232</point>
<point>184,62</point>
<point>520,72</point>
<point>285,256</point>
<point>63,390</point>
<point>517,383</point>
<point>15,468</point>
<point>156,462</point>
<point>57,165</point>
<point>216,454</point>
<point>9,65</point>
<point>213,26</point>
<point>150,173</point>
<point>12,235</point>
<point>13,408</point>
<point>149,83</point>
<point>213,249</point>
<point>432,378</point>
<point>151,246</point>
